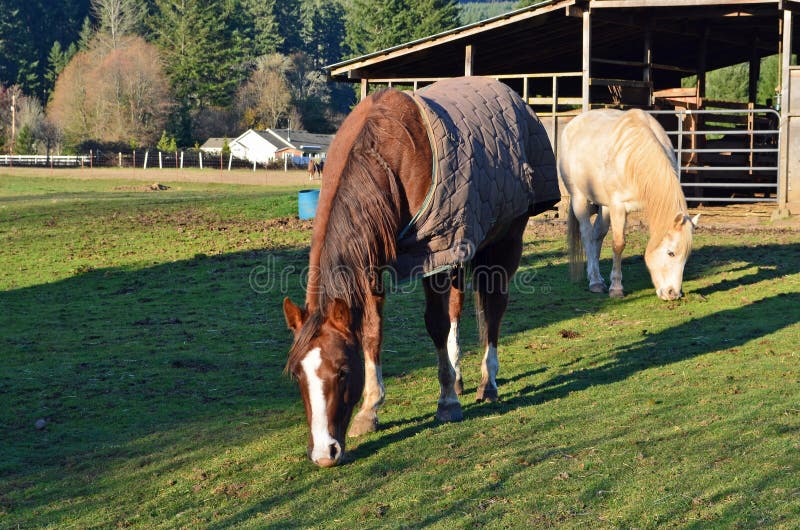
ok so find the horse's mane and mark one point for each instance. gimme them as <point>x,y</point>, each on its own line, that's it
<point>359,216</point>
<point>650,167</point>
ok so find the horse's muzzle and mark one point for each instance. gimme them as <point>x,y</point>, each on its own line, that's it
<point>669,294</point>
<point>335,453</point>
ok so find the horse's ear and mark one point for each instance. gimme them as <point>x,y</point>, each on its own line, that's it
<point>339,315</point>
<point>695,220</point>
<point>293,314</point>
<point>680,218</point>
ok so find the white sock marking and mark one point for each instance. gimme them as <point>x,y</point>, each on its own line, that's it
<point>374,389</point>
<point>453,349</point>
<point>491,365</point>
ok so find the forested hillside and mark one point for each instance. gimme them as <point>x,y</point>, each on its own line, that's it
<point>124,71</point>
<point>128,72</point>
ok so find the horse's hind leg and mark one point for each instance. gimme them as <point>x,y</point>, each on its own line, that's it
<point>592,238</point>
<point>437,298</point>
<point>494,267</point>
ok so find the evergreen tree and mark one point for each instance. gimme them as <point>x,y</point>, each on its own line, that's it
<point>266,35</point>
<point>374,25</point>
<point>25,141</point>
<point>322,30</point>
<point>27,32</point>
<point>57,60</point>
<point>433,16</point>
<point>287,15</point>
<point>86,34</point>
<point>203,55</point>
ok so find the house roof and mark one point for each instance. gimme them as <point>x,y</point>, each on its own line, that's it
<point>547,37</point>
<point>297,139</point>
<point>213,143</point>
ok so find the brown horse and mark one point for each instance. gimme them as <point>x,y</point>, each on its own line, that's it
<point>385,185</point>
<point>315,169</point>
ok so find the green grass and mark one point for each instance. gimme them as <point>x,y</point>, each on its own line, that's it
<point>128,322</point>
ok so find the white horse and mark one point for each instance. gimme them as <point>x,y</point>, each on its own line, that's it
<point>611,163</point>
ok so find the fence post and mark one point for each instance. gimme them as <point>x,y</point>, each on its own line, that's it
<point>160,164</point>
<point>119,157</point>
<point>230,161</point>
<point>176,159</point>
<point>146,154</point>
<point>134,159</point>
<point>254,166</point>
<point>91,159</point>
<point>181,159</point>
<point>200,154</point>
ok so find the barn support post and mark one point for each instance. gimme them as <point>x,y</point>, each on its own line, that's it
<point>754,72</point>
<point>364,88</point>
<point>788,180</point>
<point>587,57</point>
<point>702,57</point>
<point>468,60</point>
<point>554,111</point>
<point>647,72</point>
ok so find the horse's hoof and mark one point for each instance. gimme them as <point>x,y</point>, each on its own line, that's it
<point>616,293</point>
<point>487,393</point>
<point>597,288</point>
<point>459,386</point>
<point>363,424</point>
<point>449,412</point>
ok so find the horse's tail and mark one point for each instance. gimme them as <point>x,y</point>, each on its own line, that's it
<point>577,256</point>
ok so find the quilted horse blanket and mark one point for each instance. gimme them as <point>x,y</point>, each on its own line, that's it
<point>492,162</point>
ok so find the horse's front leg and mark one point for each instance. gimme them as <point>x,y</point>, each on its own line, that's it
<point>437,294</point>
<point>371,337</point>
<point>618,221</point>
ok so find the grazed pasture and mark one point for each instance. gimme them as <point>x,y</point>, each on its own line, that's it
<point>144,329</point>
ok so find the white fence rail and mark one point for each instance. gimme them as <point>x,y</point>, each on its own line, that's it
<point>45,161</point>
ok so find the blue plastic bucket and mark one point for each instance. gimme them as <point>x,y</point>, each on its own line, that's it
<point>307,203</point>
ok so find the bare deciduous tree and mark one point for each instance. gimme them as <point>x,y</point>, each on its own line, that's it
<point>120,95</point>
<point>117,19</point>
<point>265,99</point>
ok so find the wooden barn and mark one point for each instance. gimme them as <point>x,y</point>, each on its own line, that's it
<point>566,56</point>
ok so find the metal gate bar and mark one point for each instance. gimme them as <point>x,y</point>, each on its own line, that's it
<point>767,174</point>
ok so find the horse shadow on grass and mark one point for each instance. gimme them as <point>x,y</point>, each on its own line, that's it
<point>771,260</point>
<point>690,339</point>
<point>673,345</point>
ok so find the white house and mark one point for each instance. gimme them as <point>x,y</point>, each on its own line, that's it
<point>263,146</point>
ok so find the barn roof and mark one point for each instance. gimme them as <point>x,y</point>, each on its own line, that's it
<point>547,38</point>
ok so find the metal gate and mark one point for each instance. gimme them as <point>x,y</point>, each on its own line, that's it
<point>725,155</point>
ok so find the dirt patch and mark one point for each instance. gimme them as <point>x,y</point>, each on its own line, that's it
<point>729,219</point>
<point>152,187</point>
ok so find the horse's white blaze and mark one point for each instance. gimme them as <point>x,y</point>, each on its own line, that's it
<point>453,349</point>
<point>320,436</point>
<point>490,365</point>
